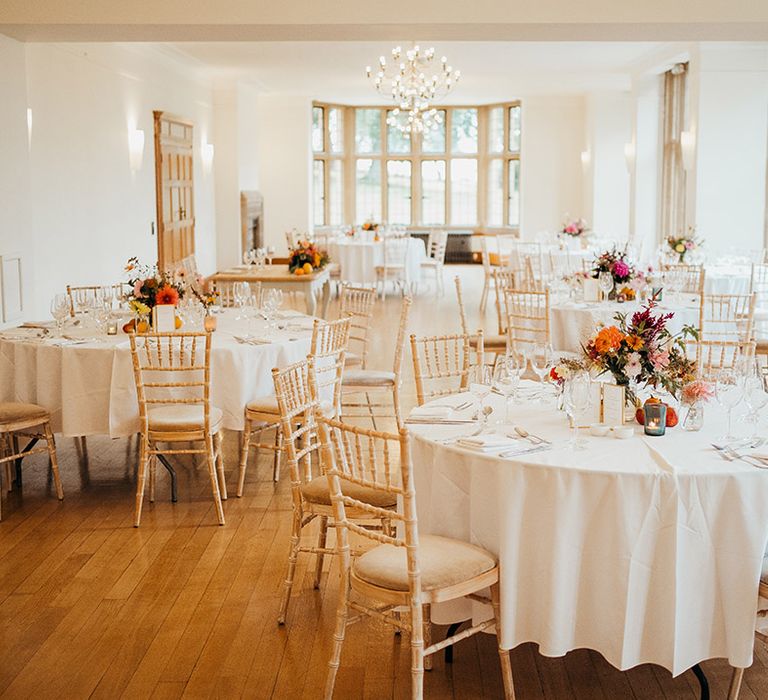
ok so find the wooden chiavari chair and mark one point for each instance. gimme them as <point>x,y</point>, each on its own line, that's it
<point>366,381</point>
<point>691,277</point>
<point>327,349</point>
<point>487,272</point>
<point>726,317</point>
<point>226,295</point>
<point>491,343</point>
<point>299,404</point>
<point>173,383</point>
<point>404,569</point>
<point>534,280</point>
<point>357,303</point>
<point>84,296</point>
<point>440,361</point>
<point>394,250</point>
<point>437,243</point>
<point>30,421</point>
<point>758,285</point>
<point>714,355</point>
<point>527,319</point>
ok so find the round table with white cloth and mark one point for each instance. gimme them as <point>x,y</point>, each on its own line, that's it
<point>86,381</point>
<point>727,279</point>
<point>358,259</point>
<point>571,324</point>
<point>647,550</point>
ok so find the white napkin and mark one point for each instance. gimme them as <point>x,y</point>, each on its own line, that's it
<point>487,443</point>
<point>428,411</point>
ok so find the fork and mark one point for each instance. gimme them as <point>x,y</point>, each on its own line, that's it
<point>461,407</point>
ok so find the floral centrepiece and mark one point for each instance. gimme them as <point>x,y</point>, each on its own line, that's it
<point>696,391</point>
<point>682,245</point>
<point>574,227</point>
<point>370,226</point>
<point>306,257</point>
<point>151,288</point>
<point>616,262</point>
<point>643,351</point>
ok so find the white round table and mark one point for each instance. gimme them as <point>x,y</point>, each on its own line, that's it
<point>358,259</point>
<point>727,279</point>
<point>88,384</point>
<point>571,324</point>
<point>648,550</point>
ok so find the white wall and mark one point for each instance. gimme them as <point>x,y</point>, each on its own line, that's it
<point>285,160</point>
<point>89,211</point>
<point>227,188</point>
<point>16,233</point>
<point>551,172</point>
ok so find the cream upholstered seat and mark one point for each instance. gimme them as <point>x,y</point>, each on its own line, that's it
<point>183,417</point>
<point>316,491</point>
<point>368,377</point>
<point>443,562</point>
<point>264,404</point>
<point>31,421</point>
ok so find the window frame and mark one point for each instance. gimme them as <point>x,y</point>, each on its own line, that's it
<point>328,156</point>
<point>416,156</point>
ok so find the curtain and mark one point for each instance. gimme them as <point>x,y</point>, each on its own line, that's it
<point>672,173</point>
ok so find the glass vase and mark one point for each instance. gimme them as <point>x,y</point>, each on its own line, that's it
<point>694,419</point>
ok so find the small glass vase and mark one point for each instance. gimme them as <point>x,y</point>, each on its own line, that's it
<point>209,323</point>
<point>694,419</point>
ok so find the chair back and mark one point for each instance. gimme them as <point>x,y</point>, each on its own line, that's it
<point>527,318</point>
<point>504,278</point>
<point>758,283</point>
<point>172,369</point>
<point>441,364</point>
<point>460,300</point>
<point>714,355</point>
<point>691,278</point>
<point>405,310</point>
<point>226,294</point>
<point>437,244</point>
<point>327,352</point>
<point>357,303</point>
<point>187,265</point>
<point>486,256</point>
<point>88,295</point>
<point>727,317</point>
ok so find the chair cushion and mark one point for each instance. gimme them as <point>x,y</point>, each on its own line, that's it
<point>316,491</point>
<point>11,412</point>
<point>368,377</point>
<point>352,358</point>
<point>264,404</point>
<point>182,417</point>
<point>490,341</point>
<point>443,562</point>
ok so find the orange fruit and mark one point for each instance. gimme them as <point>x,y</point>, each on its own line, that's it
<point>653,399</point>
<point>142,327</point>
<point>298,271</point>
<point>178,323</point>
<point>307,269</point>
<point>672,418</point>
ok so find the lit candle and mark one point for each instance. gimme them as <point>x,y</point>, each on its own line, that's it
<point>655,415</point>
<point>112,328</point>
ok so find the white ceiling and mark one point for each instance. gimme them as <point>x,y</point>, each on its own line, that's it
<point>491,71</point>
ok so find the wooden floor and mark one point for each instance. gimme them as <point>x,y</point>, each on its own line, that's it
<point>91,607</point>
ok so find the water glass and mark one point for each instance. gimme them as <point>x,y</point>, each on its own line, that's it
<point>480,381</point>
<point>755,394</point>
<point>542,358</point>
<point>60,310</point>
<point>506,378</point>
<point>605,282</point>
<point>577,396</point>
<point>729,391</point>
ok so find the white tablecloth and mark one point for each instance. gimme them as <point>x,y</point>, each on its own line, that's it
<point>647,550</point>
<point>358,259</point>
<point>727,279</point>
<point>89,388</point>
<point>572,324</point>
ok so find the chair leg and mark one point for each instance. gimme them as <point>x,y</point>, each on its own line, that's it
<point>292,556</point>
<point>321,540</point>
<point>427,627</point>
<point>506,663</point>
<point>278,454</point>
<point>338,636</point>
<point>245,440</point>
<point>735,687</point>
<point>484,296</point>
<point>54,461</point>
<point>417,652</point>
<point>152,477</point>
<point>211,459</point>
<point>141,480</point>
<point>220,465</point>
<point>396,405</point>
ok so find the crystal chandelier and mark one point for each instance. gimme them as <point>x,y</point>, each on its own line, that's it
<point>413,84</point>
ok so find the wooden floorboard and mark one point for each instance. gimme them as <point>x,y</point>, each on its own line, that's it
<point>91,607</point>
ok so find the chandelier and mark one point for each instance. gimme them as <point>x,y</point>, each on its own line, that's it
<point>414,82</point>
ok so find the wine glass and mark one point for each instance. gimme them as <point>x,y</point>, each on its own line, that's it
<point>605,282</point>
<point>60,310</point>
<point>506,378</point>
<point>729,390</point>
<point>541,357</point>
<point>755,394</point>
<point>241,291</point>
<point>480,380</point>
<point>270,253</point>
<point>576,400</point>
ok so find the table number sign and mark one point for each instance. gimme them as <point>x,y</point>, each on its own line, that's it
<point>164,318</point>
<point>614,398</point>
<point>591,290</point>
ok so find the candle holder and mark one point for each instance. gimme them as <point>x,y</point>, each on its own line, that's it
<point>655,415</point>
<point>112,327</point>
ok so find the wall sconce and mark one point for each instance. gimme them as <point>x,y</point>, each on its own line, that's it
<point>206,155</point>
<point>687,148</point>
<point>135,148</point>
<point>586,158</point>
<point>629,156</point>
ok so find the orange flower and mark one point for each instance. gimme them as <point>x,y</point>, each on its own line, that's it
<point>634,342</point>
<point>608,340</point>
<point>167,295</point>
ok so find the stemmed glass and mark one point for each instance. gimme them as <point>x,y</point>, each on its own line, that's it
<point>541,357</point>
<point>480,380</point>
<point>260,254</point>
<point>605,282</point>
<point>755,395</point>
<point>506,378</point>
<point>241,291</point>
<point>576,400</point>
<point>729,390</point>
<point>270,253</point>
<point>60,311</point>
<point>271,302</point>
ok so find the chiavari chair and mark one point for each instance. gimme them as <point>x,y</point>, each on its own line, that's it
<point>226,295</point>
<point>172,372</point>
<point>299,405</point>
<point>527,319</point>
<point>404,569</point>
<point>714,355</point>
<point>87,295</point>
<point>492,343</point>
<point>726,316</point>
<point>441,364</point>
<point>367,381</point>
<point>394,250</point>
<point>487,272</point>
<point>327,348</point>
<point>758,285</point>
<point>692,278</point>
<point>437,243</point>
<point>357,303</point>
<point>761,630</point>
<point>29,421</point>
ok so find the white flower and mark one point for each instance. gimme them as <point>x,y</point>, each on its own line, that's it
<point>633,368</point>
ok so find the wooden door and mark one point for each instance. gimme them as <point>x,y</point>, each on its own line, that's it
<point>174,189</point>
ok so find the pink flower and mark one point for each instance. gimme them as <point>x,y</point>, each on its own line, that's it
<point>570,228</point>
<point>137,285</point>
<point>633,368</point>
<point>697,391</point>
<point>690,245</point>
<point>620,269</point>
<point>659,359</point>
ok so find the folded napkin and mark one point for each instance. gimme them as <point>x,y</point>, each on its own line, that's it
<point>488,443</point>
<point>431,412</point>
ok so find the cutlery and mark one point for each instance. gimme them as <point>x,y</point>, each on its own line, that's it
<point>438,421</point>
<point>537,448</point>
<point>451,440</point>
<point>730,455</point>
<point>461,407</point>
<point>535,439</point>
